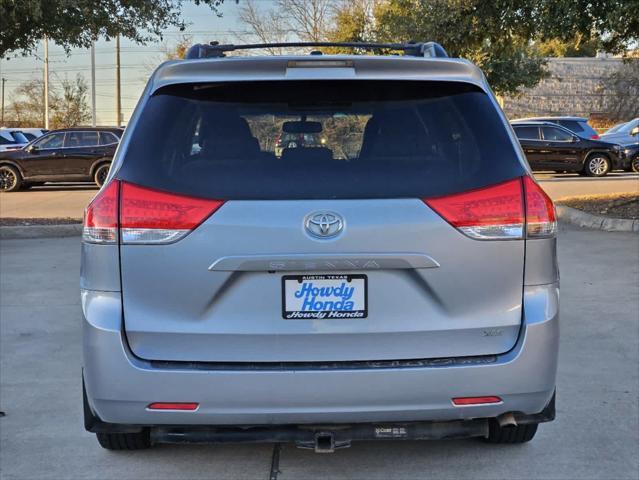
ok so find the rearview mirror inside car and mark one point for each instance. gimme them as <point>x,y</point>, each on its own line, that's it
<point>302,127</point>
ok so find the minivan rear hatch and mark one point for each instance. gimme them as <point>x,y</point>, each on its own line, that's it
<point>247,209</point>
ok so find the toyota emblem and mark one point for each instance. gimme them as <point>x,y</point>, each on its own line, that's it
<point>324,224</point>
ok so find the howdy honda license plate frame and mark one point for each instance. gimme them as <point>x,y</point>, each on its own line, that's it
<point>294,307</point>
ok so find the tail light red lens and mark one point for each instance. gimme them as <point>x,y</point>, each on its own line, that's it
<point>595,137</point>
<point>101,216</point>
<point>143,215</point>
<point>152,216</point>
<point>541,219</point>
<point>463,401</point>
<point>489,213</point>
<point>505,211</point>
<point>173,406</point>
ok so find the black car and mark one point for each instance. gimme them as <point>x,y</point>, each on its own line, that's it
<point>551,147</point>
<point>70,154</point>
<point>631,158</point>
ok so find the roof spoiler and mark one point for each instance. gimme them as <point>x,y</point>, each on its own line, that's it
<point>413,49</point>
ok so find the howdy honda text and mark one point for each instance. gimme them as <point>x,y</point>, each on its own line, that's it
<point>324,296</point>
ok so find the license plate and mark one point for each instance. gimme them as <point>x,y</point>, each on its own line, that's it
<point>324,296</point>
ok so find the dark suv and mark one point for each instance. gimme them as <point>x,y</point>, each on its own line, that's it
<point>71,154</point>
<point>577,125</point>
<point>551,147</point>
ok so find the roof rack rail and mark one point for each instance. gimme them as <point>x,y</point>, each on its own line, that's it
<point>413,49</point>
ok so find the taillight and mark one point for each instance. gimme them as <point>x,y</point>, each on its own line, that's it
<point>151,216</point>
<point>505,211</point>
<point>101,216</point>
<point>489,213</point>
<point>595,137</point>
<point>146,216</point>
<point>541,219</point>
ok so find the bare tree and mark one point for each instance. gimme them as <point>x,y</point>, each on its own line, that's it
<point>309,20</point>
<point>289,20</point>
<point>265,25</point>
<point>26,108</point>
<point>178,50</point>
<point>71,107</point>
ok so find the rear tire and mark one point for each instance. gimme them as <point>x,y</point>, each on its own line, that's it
<point>511,433</point>
<point>125,441</point>
<point>635,165</point>
<point>100,174</point>
<point>597,165</point>
<point>10,179</point>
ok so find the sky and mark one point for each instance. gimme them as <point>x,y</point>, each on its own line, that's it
<point>137,61</point>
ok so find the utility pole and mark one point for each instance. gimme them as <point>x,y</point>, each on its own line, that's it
<point>93,113</point>
<point>46,83</point>
<point>118,105</point>
<point>3,82</point>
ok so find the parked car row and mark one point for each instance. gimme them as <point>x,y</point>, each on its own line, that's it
<point>569,144</point>
<point>71,154</point>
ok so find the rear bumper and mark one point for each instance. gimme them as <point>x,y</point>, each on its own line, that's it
<point>120,386</point>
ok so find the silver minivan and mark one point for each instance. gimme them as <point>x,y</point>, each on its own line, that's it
<point>395,278</point>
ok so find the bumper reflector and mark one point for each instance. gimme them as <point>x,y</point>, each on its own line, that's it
<point>173,406</point>
<point>463,401</point>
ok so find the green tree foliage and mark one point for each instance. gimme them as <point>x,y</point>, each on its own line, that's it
<point>76,23</point>
<point>571,48</point>
<point>501,36</point>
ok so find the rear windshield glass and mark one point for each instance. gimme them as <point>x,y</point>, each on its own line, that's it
<point>572,125</point>
<point>328,139</point>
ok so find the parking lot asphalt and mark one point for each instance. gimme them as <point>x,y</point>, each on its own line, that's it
<point>595,436</point>
<point>69,200</point>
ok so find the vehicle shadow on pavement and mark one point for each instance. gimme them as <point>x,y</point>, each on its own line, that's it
<point>57,187</point>
<point>568,177</point>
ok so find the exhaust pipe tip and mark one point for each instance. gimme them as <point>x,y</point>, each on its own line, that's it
<point>507,419</point>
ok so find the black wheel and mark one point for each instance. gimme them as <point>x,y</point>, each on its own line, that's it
<point>635,164</point>
<point>100,175</point>
<point>511,433</point>
<point>597,165</point>
<point>125,441</point>
<point>10,179</point>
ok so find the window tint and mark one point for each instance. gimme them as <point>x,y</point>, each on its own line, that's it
<point>81,139</point>
<point>336,139</point>
<point>29,136</point>
<point>572,125</point>
<point>107,138</point>
<point>19,137</point>
<point>4,140</point>
<point>527,133</point>
<point>54,140</point>
<point>556,135</point>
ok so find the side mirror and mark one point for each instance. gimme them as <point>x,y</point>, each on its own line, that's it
<point>574,139</point>
<point>634,132</point>
<point>31,148</point>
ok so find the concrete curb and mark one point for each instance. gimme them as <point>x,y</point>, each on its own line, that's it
<point>41,231</point>
<point>596,222</point>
